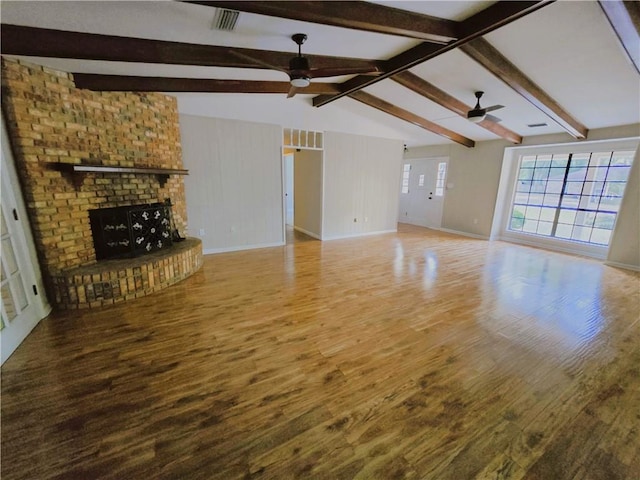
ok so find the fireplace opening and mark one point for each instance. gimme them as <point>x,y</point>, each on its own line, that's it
<point>130,231</point>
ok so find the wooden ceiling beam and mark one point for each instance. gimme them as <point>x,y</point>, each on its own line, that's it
<point>433,93</point>
<point>43,42</point>
<point>120,83</point>
<point>624,18</point>
<point>358,15</point>
<point>486,55</point>
<point>410,117</point>
<point>489,19</point>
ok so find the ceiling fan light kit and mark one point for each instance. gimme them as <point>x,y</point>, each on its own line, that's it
<point>300,82</point>
<point>478,114</point>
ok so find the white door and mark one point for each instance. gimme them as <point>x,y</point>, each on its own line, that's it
<point>422,203</point>
<point>22,305</point>
<point>288,188</point>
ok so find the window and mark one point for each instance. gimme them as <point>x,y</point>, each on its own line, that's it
<point>405,177</point>
<point>574,197</point>
<point>421,180</point>
<point>442,171</point>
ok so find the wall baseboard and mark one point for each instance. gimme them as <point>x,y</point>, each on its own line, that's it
<point>211,251</point>
<point>464,234</point>
<point>626,266</point>
<point>355,235</point>
<point>307,232</point>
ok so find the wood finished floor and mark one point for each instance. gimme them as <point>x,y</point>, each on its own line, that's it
<point>414,355</point>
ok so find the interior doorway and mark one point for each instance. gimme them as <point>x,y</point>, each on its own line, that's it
<point>423,192</point>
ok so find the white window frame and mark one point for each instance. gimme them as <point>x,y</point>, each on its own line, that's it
<point>506,193</point>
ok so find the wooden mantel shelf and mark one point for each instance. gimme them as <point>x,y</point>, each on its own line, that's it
<point>78,171</point>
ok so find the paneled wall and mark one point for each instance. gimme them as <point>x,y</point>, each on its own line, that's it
<point>362,185</point>
<point>234,188</point>
<point>307,173</point>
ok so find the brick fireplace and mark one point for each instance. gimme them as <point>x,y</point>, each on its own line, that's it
<point>53,124</point>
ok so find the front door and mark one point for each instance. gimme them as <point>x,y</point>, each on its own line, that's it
<point>422,204</point>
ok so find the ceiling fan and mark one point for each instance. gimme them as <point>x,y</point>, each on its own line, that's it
<point>478,114</point>
<point>300,71</point>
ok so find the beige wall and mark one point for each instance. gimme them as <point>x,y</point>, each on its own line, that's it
<point>361,186</point>
<point>625,242</point>
<point>307,190</point>
<point>234,189</point>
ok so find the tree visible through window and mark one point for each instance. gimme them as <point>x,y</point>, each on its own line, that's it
<point>573,197</point>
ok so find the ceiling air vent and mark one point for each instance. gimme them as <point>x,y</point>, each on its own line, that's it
<point>225,19</point>
<point>535,125</point>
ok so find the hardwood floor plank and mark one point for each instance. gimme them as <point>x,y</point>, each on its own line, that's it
<point>416,355</point>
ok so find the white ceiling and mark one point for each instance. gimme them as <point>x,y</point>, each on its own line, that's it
<point>568,48</point>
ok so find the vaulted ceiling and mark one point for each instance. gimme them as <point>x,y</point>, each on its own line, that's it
<point>564,66</point>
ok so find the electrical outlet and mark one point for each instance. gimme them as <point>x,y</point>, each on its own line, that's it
<point>202,232</point>
<point>366,219</point>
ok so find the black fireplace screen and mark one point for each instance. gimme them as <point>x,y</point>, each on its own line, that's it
<point>130,231</point>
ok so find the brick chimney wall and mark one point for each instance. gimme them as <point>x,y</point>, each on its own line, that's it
<point>49,120</point>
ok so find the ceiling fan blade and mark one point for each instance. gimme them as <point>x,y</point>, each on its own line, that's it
<point>258,61</point>
<point>336,72</point>
<point>292,91</point>
<point>493,107</point>
<point>492,118</point>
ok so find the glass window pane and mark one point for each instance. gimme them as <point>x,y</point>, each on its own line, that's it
<point>593,188</point>
<point>585,219</point>
<point>600,236</point>
<point>613,189</point>
<point>523,186</point>
<point>543,161</point>
<point>570,201</point>
<point>564,231</point>
<point>540,173</point>
<point>589,203</point>
<point>4,224</point>
<point>605,220</point>
<point>547,214</point>
<point>600,159</point>
<point>525,174</point>
<point>573,188</point>
<point>544,228</point>
<point>528,161</point>
<point>536,199</point>
<point>530,226</point>
<point>618,174</point>
<point>577,174</point>
<point>532,213</point>
<point>560,161</point>
<point>9,257</point>
<point>622,158</point>
<point>7,302</point>
<point>516,223</point>
<point>554,187</point>
<point>18,290</point>
<point>567,216</point>
<point>597,173</point>
<point>580,159</point>
<point>521,198</point>
<point>538,186</point>
<point>557,174</point>
<point>582,234</point>
<point>551,200</point>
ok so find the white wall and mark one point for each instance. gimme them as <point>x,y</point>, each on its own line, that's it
<point>307,172</point>
<point>234,189</point>
<point>361,185</point>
